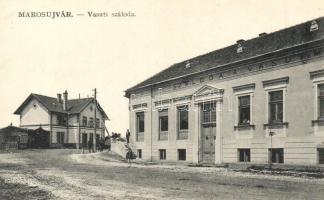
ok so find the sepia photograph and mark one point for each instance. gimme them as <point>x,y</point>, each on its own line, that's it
<point>159,100</point>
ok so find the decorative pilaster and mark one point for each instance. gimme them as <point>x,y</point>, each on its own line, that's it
<point>218,142</point>
<point>196,133</point>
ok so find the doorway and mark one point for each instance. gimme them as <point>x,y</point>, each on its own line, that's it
<point>208,143</point>
<point>208,132</point>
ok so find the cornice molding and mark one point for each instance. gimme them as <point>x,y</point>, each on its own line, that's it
<point>316,74</point>
<point>304,52</point>
<point>277,81</point>
<point>250,86</point>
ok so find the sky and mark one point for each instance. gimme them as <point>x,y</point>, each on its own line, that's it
<point>48,56</point>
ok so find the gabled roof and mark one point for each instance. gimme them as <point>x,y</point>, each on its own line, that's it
<point>74,106</point>
<point>262,45</point>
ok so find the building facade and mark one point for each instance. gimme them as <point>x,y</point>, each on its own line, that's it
<point>258,101</point>
<point>71,122</point>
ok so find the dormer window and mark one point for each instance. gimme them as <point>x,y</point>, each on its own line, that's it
<point>239,48</point>
<point>313,26</point>
<point>188,64</point>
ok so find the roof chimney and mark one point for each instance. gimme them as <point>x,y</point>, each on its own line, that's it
<point>262,34</point>
<point>65,99</point>
<point>240,41</point>
<point>59,98</point>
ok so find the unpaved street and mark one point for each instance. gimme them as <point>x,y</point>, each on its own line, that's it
<point>66,174</point>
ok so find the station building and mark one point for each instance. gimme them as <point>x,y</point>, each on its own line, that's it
<point>258,101</point>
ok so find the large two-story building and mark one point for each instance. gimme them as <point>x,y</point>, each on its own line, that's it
<point>258,100</point>
<point>70,122</point>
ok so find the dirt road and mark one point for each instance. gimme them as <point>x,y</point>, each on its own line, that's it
<point>65,174</point>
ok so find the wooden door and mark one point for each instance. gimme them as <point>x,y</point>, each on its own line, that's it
<point>208,143</point>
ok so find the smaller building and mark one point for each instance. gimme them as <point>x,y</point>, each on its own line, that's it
<point>70,122</point>
<point>12,137</point>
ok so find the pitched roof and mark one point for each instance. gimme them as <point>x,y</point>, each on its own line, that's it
<point>264,44</point>
<point>74,106</point>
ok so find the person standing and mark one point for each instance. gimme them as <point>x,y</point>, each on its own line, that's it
<point>129,156</point>
<point>127,136</point>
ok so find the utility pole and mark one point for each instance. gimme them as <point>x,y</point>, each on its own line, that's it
<point>95,121</point>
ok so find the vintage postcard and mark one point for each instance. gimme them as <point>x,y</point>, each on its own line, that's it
<point>139,99</point>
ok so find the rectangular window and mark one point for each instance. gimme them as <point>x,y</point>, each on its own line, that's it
<point>163,124</point>
<point>91,137</point>
<point>209,112</point>
<point>91,122</point>
<point>321,100</point>
<point>97,123</point>
<point>140,122</point>
<point>61,120</point>
<point>84,139</point>
<point>84,121</point>
<point>140,125</point>
<point>244,109</point>
<point>276,107</point>
<point>139,153</point>
<point>244,155</point>
<point>60,137</point>
<point>320,155</point>
<point>183,113</point>
<point>276,155</point>
<point>162,154</point>
<point>182,154</point>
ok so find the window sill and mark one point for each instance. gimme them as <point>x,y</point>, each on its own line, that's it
<point>276,125</point>
<point>318,122</point>
<point>244,127</point>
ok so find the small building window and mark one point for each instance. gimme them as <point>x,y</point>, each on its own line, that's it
<point>91,122</point>
<point>163,124</point>
<point>140,122</point>
<point>183,117</point>
<point>182,154</point>
<point>84,139</point>
<point>244,155</point>
<point>276,107</point>
<point>97,123</point>
<point>162,154</point>
<point>320,155</point>
<point>139,153</point>
<point>244,109</point>
<point>321,100</point>
<point>84,121</point>
<point>209,112</point>
<point>276,155</point>
<point>60,137</point>
<point>61,120</point>
<point>163,119</point>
